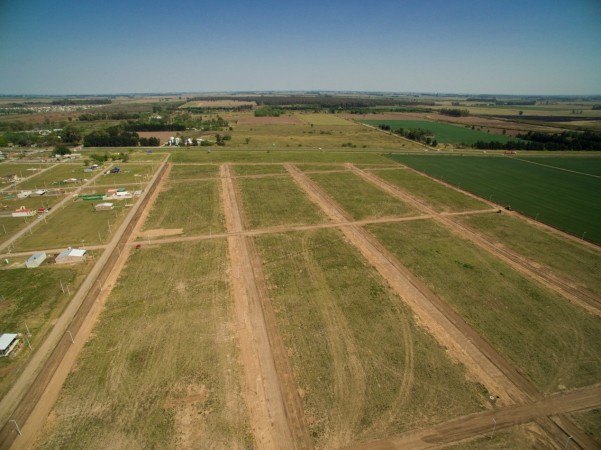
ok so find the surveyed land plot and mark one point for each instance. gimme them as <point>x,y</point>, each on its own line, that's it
<point>32,299</point>
<point>161,370</point>
<point>192,207</point>
<point>56,176</point>
<point>520,437</point>
<point>324,119</point>
<point>186,172</point>
<point>567,201</point>
<point>364,368</point>
<point>130,173</point>
<point>75,225</point>
<point>258,169</point>
<point>277,200</point>
<point>569,259</point>
<point>443,132</point>
<point>589,422</point>
<point>437,196</point>
<point>361,199</point>
<point>139,156</point>
<point>551,341</point>
<point>270,155</point>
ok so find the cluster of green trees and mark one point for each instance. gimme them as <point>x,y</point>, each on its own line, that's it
<point>149,142</point>
<point>82,101</point>
<point>268,111</point>
<point>568,140</point>
<point>115,136</point>
<point>68,135</point>
<point>415,134</point>
<point>99,158</point>
<point>121,115</point>
<point>596,107</point>
<point>454,112</point>
<point>154,126</point>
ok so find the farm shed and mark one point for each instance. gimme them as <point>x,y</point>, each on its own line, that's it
<point>8,341</point>
<point>104,206</point>
<point>71,255</point>
<point>35,260</point>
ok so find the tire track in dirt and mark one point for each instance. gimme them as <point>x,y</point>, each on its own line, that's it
<point>277,418</point>
<point>451,331</point>
<point>541,274</point>
<point>481,424</point>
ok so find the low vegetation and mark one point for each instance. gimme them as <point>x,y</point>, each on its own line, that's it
<point>551,341</point>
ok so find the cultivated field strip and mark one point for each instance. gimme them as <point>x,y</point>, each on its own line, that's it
<point>480,359</point>
<point>543,275</point>
<point>278,418</point>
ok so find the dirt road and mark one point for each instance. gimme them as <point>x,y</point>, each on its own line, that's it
<point>482,423</point>
<point>273,402</point>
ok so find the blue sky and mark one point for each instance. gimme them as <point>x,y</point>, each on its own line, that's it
<point>463,46</point>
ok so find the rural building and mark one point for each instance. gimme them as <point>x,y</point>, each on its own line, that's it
<point>71,180</point>
<point>40,192</point>
<point>24,194</point>
<point>104,206</point>
<point>71,255</point>
<point>35,260</point>
<point>117,195</point>
<point>8,342</point>
<point>115,170</point>
<point>24,212</point>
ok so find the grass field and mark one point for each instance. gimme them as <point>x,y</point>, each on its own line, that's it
<point>130,173</point>
<point>591,166</point>
<point>143,156</point>
<point>276,156</point>
<point>444,133</point>
<point>273,201</point>
<point>565,200</point>
<point>161,370</point>
<point>364,367</point>
<point>75,225</point>
<point>437,196</point>
<point>192,206</point>
<point>324,119</point>
<point>519,437</point>
<point>10,225</point>
<point>320,167</point>
<point>552,342</point>
<point>589,421</point>
<point>33,297</point>
<point>347,188</point>
<point>572,261</point>
<point>258,169</point>
<point>186,172</point>
<point>54,177</point>
<point>22,170</point>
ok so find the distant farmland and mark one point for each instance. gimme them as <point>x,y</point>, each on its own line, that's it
<point>443,132</point>
<point>565,200</point>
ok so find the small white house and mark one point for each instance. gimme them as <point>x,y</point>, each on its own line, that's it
<point>24,194</point>
<point>71,255</point>
<point>104,206</point>
<point>35,260</point>
<point>8,342</point>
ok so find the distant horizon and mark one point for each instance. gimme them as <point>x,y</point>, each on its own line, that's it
<point>300,91</point>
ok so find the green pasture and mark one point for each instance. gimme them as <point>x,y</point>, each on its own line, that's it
<point>365,367</point>
<point>572,261</point>
<point>437,196</point>
<point>161,369</point>
<point>192,206</point>
<point>76,224</point>
<point>258,169</point>
<point>185,172</point>
<point>444,133</point>
<point>53,178</point>
<point>130,173</point>
<point>565,200</point>
<point>273,201</point>
<point>360,198</point>
<point>33,297</point>
<point>587,165</point>
<point>553,342</point>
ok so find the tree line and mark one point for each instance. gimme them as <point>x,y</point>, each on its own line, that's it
<point>568,140</point>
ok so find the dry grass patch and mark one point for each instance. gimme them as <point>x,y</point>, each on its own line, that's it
<point>258,169</point>
<point>554,343</point>
<point>364,368</point>
<point>184,172</point>
<point>161,370</point>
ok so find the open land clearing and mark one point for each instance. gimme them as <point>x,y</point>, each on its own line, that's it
<point>344,358</point>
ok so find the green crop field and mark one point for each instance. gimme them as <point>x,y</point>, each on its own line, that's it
<point>277,200</point>
<point>443,132</point>
<point>161,369</point>
<point>189,172</point>
<point>565,200</point>
<point>554,343</point>
<point>365,367</point>
<point>588,165</point>
<point>347,188</point>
